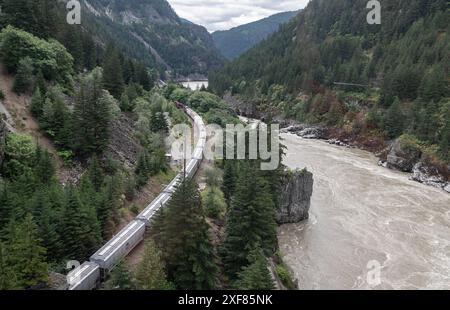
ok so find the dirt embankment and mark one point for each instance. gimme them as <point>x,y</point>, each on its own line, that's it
<point>18,107</point>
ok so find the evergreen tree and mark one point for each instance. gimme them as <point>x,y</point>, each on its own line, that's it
<point>107,208</point>
<point>142,170</point>
<point>394,122</point>
<point>24,76</point>
<point>256,275</point>
<point>158,122</point>
<point>121,279</point>
<point>27,256</point>
<point>251,220</point>
<point>80,229</point>
<point>229,180</point>
<point>7,276</point>
<point>113,76</point>
<point>151,274</point>
<point>214,202</point>
<point>95,173</point>
<point>37,103</point>
<point>6,206</point>
<point>92,116</point>
<point>188,251</point>
<point>44,168</point>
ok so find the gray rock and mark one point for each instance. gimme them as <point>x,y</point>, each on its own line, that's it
<point>382,163</point>
<point>311,133</point>
<point>297,189</point>
<point>402,158</point>
<point>428,175</point>
<point>447,188</point>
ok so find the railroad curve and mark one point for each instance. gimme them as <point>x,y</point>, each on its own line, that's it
<point>90,274</point>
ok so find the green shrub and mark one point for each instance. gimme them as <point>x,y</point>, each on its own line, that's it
<point>285,277</point>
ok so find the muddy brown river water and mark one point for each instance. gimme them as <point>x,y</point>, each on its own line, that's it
<point>370,227</point>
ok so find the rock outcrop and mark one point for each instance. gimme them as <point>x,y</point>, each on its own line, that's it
<point>403,158</point>
<point>306,132</point>
<point>429,176</point>
<point>295,202</point>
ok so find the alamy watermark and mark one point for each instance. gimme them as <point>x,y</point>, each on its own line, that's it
<point>374,273</point>
<point>374,16</point>
<point>74,12</point>
<point>233,142</point>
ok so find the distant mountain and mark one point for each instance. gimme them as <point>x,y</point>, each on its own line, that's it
<point>151,31</point>
<point>235,42</point>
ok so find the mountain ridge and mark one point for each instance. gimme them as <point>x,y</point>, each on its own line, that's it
<point>234,42</point>
<point>151,30</point>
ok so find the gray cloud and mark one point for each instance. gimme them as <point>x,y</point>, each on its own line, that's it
<point>226,14</point>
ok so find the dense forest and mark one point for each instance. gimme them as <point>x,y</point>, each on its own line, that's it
<point>78,90</point>
<point>398,71</point>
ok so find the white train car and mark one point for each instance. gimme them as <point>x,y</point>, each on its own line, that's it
<point>89,275</point>
<point>118,247</point>
<point>85,277</point>
<point>147,215</point>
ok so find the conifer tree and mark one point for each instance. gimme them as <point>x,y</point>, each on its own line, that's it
<point>95,173</point>
<point>92,116</point>
<point>229,180</point>
<point>121,279</point>
<point>188,251</point>
<point>251,220</point>
<point>256,275</point>
<point>394,120</point>
<point>113,76</point>
<point>151,273</point>
<point>24,76</point>
<point>27,256</point>
<point>7,276</point>
<point>44,168</point>
<point>142,170</point>
<point>37,103</point>
<point>80,228</point>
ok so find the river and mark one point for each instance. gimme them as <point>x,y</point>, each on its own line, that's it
<point>366,223</point>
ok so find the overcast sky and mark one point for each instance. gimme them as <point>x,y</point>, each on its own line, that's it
<point>226,14</point>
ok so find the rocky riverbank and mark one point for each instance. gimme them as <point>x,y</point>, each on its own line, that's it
<point>396,155</point>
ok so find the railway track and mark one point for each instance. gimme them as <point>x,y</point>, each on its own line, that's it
<point>90,274</point>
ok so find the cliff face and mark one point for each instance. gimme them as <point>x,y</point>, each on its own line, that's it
<point>296,195</point>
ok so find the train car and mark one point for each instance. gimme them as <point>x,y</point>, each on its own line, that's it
<point>85,277</point>
<point>198,153</point>
<point>119,246</point>
<point>147,215</point>
<point>88,275</point>
<point>192,168</point>
<point>172,187</point>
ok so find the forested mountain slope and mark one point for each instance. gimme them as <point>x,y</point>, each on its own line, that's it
<point>236,41</point>
<point>404,63</point>
<point>150,30</point>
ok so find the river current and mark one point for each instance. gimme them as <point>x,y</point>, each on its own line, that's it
<point>369,227</point>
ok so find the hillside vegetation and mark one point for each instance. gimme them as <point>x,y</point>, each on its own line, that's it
<point>402,67</point>
<point>236,41</point>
